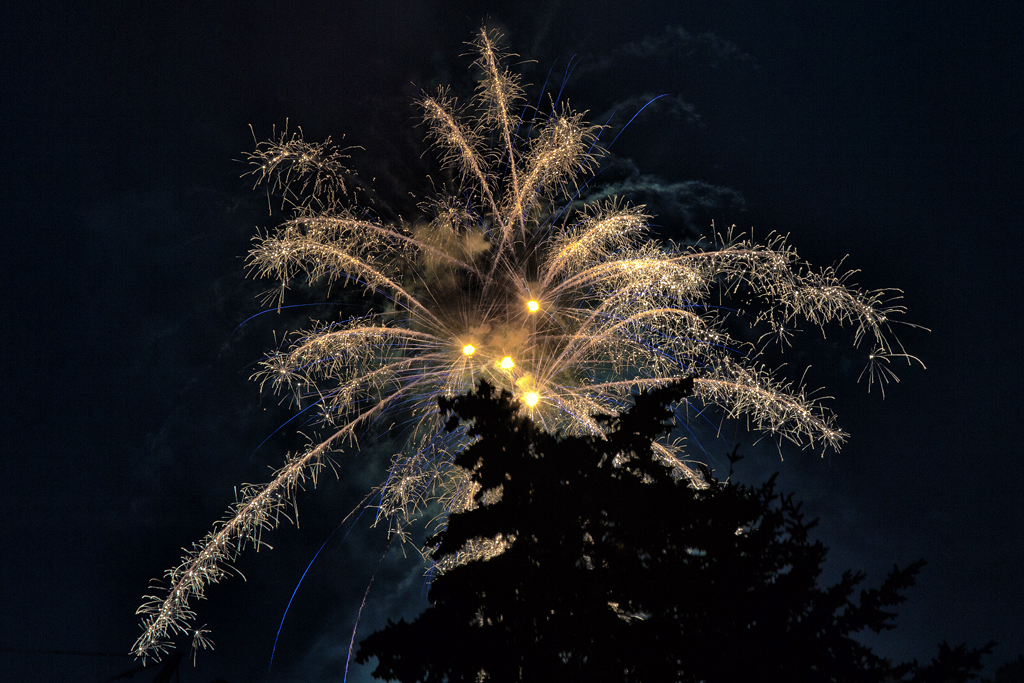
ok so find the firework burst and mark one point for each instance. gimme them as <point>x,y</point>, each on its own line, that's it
<point>513,279</point>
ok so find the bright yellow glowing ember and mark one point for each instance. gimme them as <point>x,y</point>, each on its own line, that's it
<point>468,349</point>
<point>533,306</point>
<point>506,363</point>
<point>531,398</point>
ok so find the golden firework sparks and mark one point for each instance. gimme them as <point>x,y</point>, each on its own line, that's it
<point>608,311</point>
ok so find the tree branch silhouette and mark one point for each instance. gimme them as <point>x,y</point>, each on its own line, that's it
<point>615,569</point>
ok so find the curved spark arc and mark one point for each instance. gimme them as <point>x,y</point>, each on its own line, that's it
<point>509,278</point>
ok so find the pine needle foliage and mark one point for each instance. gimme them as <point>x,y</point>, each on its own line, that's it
<point>614,570</point>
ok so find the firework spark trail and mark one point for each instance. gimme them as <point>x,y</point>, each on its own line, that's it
<point>511,278</point>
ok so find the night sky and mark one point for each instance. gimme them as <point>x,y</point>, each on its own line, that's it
<point>889,132</point>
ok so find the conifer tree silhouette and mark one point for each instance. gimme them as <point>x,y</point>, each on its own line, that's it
<point>613,570</point>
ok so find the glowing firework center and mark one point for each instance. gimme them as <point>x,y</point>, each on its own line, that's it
<point>523,384</point>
